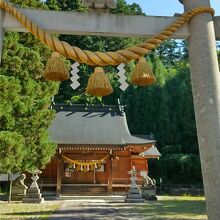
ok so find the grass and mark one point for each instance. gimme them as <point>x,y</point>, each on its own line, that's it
<point>171,207</point>
<point>18,210</point>
<point>166,208</point>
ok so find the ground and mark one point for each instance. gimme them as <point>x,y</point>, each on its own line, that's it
<point>18,210</point>
<point>165,208</point>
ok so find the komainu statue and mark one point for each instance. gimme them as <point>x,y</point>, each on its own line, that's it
<point>148,182</point>
<point>19,181</point>
<point>19,189</point>
<point>148,188</point>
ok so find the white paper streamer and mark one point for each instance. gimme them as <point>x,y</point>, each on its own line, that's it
<point>75,76</point>
<point>122,78</point>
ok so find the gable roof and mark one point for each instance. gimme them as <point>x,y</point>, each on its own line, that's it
<point>151,153</point>
<point>93,125</point>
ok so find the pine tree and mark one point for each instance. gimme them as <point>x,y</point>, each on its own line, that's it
<point>26,95</point>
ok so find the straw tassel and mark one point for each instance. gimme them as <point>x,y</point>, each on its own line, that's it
<point>55,69</point>
<point>92,167</point>
<point>143,74</point>
<point>84,169</point>
<point>99,84</point>
<point>78,168</point>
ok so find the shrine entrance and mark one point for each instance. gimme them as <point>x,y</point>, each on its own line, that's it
<point>98,154</point>
<point>86,174</point>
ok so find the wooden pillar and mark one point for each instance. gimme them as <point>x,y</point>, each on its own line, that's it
<point>94,177</point>
<point>109,173</point>
<point>59,176</point>
<point>110,176</point>
<point>147,168</point>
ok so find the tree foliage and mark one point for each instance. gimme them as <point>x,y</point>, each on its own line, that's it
<point>26,96</point>
<point>12,147</point>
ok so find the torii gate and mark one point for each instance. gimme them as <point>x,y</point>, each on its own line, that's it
<point>205,75</point>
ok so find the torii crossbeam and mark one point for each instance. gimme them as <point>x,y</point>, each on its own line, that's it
<point>200,33</point>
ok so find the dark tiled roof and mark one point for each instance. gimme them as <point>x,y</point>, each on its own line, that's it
<point>93,125</point>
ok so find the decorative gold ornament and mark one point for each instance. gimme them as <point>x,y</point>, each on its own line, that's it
<point>56,68</point>
<point>143,75</point>
<point>99,84</point>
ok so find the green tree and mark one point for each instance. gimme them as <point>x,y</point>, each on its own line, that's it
<point>147,107</point>
<point>170,52</point>
<point>124,8</point>
<point>25,110</point>
<point>12,148</point>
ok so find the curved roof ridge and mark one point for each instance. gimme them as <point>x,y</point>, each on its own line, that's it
<point>86,107</point>
<point>103,126</point>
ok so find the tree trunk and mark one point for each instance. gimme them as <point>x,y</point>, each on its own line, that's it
<point>10,187</point>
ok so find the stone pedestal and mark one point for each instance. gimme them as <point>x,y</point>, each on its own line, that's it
<point>148,193</point>
<point>134,195</point>
<point>33,194</point>
<point>18,193</point>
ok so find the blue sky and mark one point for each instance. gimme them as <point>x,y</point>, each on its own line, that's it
<point>167,7</point>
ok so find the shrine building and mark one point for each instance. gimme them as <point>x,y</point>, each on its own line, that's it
<point>95,151</point>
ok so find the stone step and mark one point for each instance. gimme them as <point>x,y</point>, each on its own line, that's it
<point>88,197</point>
<point>134,200</point>
<point>37,196</point>
<point>33,190</point>
<point>32,200</point>
<point>85,190</point>
<point>135,196</point>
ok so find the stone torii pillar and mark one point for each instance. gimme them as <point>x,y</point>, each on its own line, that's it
<point>206,94</point>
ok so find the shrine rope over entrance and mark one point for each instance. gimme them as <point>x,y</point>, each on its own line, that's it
<point>101,58</point>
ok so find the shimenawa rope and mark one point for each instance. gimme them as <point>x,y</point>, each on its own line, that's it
<point>101,58</point>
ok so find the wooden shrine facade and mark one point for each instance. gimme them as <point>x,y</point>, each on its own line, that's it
<point>95,147</point>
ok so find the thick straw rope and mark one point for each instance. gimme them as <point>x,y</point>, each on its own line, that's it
<point>101,58</point>
<point>84,163</point>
